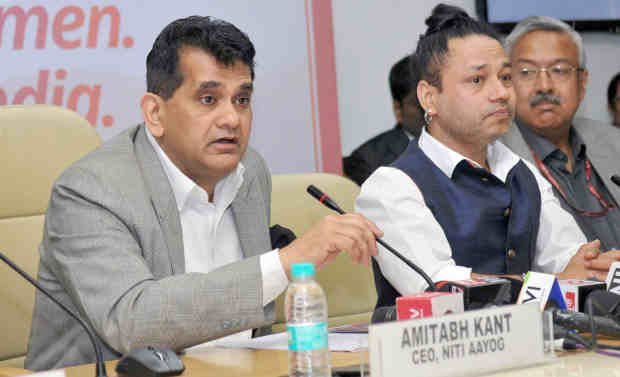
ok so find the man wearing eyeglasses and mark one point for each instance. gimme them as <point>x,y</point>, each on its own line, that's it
<point>577,156</point>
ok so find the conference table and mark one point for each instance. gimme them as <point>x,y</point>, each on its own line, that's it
<point>223,362</point>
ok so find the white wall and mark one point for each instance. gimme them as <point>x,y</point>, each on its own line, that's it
<point>370,36</point>
<point>283,119</point>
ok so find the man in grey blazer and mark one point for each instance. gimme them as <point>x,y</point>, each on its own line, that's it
<point>160,236</point>
<point>578,156</point>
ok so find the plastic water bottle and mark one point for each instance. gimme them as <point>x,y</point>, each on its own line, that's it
<point>305,309</point>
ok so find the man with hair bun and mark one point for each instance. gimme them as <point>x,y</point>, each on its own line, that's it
<point>459,203</point>
<point>577,156</point>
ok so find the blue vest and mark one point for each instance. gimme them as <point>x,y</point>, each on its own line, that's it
<point>491,226</point>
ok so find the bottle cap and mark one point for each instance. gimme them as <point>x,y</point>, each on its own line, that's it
<point>302,269</point>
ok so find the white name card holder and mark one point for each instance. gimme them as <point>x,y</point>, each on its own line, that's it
<point>470,343</point>
<point>541,288</point>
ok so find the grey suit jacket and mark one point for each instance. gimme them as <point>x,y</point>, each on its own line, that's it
<point>112,251</point>
<point>603,148</point>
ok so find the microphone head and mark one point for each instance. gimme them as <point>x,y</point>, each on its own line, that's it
<point>324,199</point>
<point>314,191</point>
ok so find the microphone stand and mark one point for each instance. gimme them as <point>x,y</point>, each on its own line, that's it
<point>329,203</point>
<point>99,366</point>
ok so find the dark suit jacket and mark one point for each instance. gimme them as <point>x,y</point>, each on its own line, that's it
<point>112,251</point>
<point>381,150</point>
<point>603,143</point>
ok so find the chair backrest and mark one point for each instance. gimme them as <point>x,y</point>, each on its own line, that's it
<point>37,142</point>
<point>349,287</point>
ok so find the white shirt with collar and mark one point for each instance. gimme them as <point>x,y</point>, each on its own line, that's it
<point>210,238</point>
<point>391,199</point>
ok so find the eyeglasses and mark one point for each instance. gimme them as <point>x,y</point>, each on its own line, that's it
<point>558,72</point>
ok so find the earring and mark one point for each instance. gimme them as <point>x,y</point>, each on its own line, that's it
<point>428,117</point>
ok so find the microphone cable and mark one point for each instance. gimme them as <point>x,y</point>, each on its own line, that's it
<point>602,349</point>
<point>589,343</point>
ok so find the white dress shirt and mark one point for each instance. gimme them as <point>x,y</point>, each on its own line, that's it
<point>391,199</point>
<point>210,238</point>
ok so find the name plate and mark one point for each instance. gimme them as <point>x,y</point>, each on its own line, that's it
<point>473,342</point>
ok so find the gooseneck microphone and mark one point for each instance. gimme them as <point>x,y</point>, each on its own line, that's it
<point>616,179</point>
<point>100,366</point>
<point>329,203</point>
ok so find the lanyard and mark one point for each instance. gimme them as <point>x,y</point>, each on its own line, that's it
<point>606,206</point>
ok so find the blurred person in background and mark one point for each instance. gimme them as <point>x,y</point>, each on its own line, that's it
<point>384,148</point>
<point>613,100</point>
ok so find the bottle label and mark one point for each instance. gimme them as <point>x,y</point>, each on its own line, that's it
<point>307,337</point>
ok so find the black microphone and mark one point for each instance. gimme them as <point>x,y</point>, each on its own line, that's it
<point>616,179</point>
<point>605,303</point>
<point>329,203</point>
<point>603,315</point>
<point>581,322</point>
<point>100,366</point>
<point>483,292</point>
<point>383,314</point>
<point>324,199</point>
